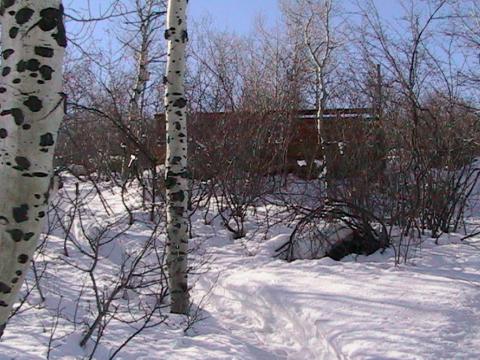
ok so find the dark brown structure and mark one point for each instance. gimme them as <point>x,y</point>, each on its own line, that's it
<point>287,142</point>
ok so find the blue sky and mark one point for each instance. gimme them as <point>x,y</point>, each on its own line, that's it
<point>239,15</point>
<point>235,15</point>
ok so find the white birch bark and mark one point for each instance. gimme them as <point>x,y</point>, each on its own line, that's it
<point>141,81</point>
<point>32,104</point>
<point>135,108</point>
<point>144,11</point>
<point>176,176</point>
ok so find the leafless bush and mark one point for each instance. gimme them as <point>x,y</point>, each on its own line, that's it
<point>120,273</point>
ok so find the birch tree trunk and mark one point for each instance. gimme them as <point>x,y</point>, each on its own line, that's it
<point>31,100</point>
<point>135,109</point>
<point>320,51</point>
<point>311,22</point>
<point>141,81</point>
<point>147,17</point>
<point>176,173</point>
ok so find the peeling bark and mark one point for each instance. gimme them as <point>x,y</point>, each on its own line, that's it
<point>31,109</point>
<point>176,175</point>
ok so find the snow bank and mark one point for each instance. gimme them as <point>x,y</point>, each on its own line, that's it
<point>257,307</point>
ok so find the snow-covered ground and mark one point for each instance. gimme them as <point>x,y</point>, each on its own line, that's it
<point>259,307</point>
<point>364,309</point>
